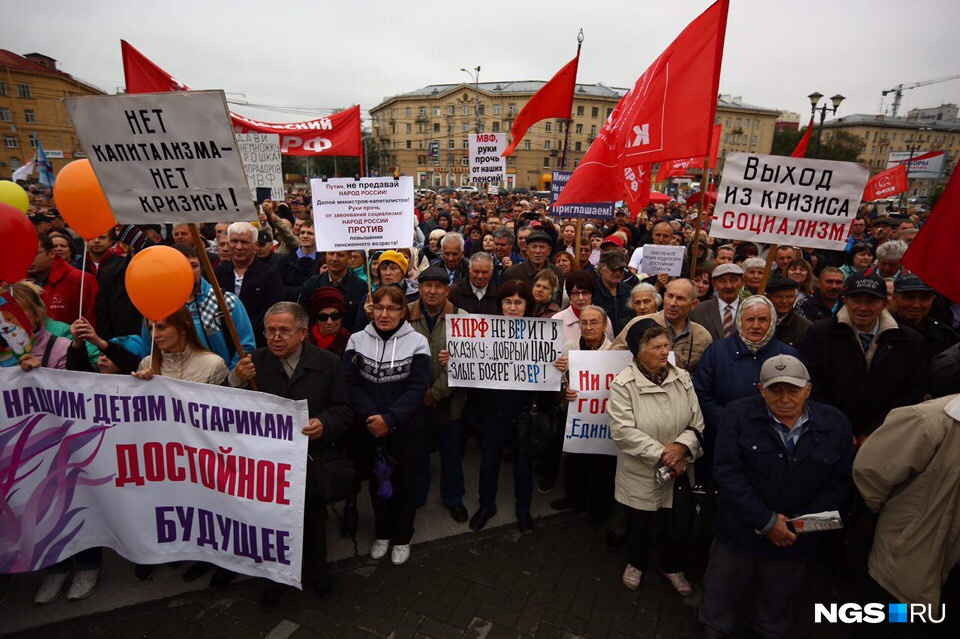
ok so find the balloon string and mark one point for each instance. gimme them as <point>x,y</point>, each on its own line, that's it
<point>83,270</point>
<point>153,339</point>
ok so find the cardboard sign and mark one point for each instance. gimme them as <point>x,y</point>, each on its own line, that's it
<point>560,179</point>
<point>588,425</point>
<point>662,259</point>
<point>164,157</point>
<point>487,166</point>
<point>260,153</point>
<point>794,201</point>
<point>352,214</point>
<point>512,353</point>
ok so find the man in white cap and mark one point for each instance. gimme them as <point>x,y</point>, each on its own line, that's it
<point>777,456</point>
<point>718,314</point>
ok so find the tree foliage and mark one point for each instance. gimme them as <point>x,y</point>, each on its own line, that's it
<point>842,146</point>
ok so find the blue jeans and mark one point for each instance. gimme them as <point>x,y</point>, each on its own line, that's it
<point>450,446</point>
<point>492,449</point>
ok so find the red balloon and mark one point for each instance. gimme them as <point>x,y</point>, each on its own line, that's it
<point>19,244</point>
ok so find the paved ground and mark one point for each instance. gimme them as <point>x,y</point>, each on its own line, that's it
<point>560,581</point>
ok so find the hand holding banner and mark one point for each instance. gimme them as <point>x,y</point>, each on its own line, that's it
<point>588,424</point>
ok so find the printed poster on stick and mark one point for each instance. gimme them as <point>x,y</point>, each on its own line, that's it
<point>164,157</point>
<point>159,470</point>
<point>782,200</point>
<point>658,259</point>
<point>352,214</point>
<point>588,425</point>
<point>260,153</point>
<point>511,353</point>
<point>560,179</point>
<point>487,166</point>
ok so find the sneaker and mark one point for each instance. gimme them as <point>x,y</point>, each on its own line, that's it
<point>143,572</point>
<point>379,548</point>
<point>679,582</point>
<point>631,577</point>
<point>51,587</point>
<point>544,486</point>
<point>399,554</point>
<point>83,584</point>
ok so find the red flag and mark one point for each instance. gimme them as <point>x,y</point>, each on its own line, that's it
<point>886,183</point>
<point>639,199</point>
<point>553,100</point>
<point>668,114</point>
<point>679,167</point>
<point>932,254</point>
<point>801,150</point>
<point>338,134</point>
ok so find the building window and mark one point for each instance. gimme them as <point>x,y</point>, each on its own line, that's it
<point>480,127</point>
<point>436,110</point>
<point>577,146</point>
<point>464,161</point>
<point>409,112</point>
<point>496,127</point>
<point>546,162</point>
<point>728,123</point>
<point>497,109</point>
<point>4,114</point>
<point>449,128</point>
<point>10,142</point>
<point>593,130</point>
<point>420,128</point>
<point>481,109</point>
<point>546,145</point>
<point>34,141</point>
<point>576,163</point>
<point>3,88</point>
<point>526,145</point>
<point>595,112</point>
<point>579,128</point>
<point>29,116</point>
<point>746,123</point>
<point>753,140</point>
<point>423,112</point>
<point>450,144</point>
<point>466,127</point>
<point>409,128</point>
<point>580,111</point>
<point>548,127</point>
<point>419,144</point>
<point>421,159</point>
<point>436,127</point>
<point>24,90</point>
<point>756,123</point>
<point>512,110</point>
<point>609,111</point>
<point>409,144</point>
<point>451,110</point>
<point>466,109</point>
<point>466,145</point>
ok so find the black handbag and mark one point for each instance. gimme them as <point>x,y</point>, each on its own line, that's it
<point>333,474</point>
<point>535,431</point>
<point>693,506</point>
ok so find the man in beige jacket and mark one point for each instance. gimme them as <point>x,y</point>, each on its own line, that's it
<point>908,471</point>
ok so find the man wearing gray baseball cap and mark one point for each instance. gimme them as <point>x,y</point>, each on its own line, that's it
<point>777,456</point>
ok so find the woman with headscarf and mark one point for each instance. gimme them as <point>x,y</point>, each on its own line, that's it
<point>653,415</point>
<point>730,367</point>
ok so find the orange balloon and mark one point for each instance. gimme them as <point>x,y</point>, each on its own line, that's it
<point>159,282</point>
<point>81,201</point>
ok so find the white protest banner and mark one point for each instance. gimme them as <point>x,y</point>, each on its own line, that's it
<point>487,166</point>
<point>512,353</point>
<point>351,214</point>
<point>662,259</point>
<point>158,470</point>
<point>260,153</point>
<point>588,425</point>
<point>921,165</point>
<point>493,189</point>
<point>164,157</point>
<point>781,200</point>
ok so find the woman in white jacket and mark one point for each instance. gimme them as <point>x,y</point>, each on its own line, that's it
<point>653,410</point>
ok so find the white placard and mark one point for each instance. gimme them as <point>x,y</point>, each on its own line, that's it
<point>260,153</point>
<point>781,200</point>
<point>921,164</point>
<point>164,157</point>
<point>588,424</point>
<point>658,259</point>
<point>487,166</point>
<point>353,214</point>
<point>159,470</point>
<point>512,353</point>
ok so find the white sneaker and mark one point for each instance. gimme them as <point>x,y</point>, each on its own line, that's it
<point>379,548</point>
<point>51,587</point>
<point>400,554</point>
<point>631,577</point>
<point>84,583</point>
<point>679,582</point>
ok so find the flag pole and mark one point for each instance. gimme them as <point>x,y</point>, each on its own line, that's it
<point>221,301</point>
<point>771,254</point>
<point>363,169</point>
<point>563,155</point>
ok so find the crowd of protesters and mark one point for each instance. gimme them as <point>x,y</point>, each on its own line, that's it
<point>828,383</point>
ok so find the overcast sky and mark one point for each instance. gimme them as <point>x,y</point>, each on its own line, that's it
<point>321,54</point>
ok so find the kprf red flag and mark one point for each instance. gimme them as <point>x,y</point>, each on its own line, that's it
<point>671,168</point>
<point>932,255</point>
<point>338,134</point>
<point>801,150</point>
<point>553,100</point>
<point>886,183</point>
<point>636,202</point>
<point>668,114</point>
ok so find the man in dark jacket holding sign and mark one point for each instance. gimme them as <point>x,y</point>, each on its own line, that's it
<point>296,369</point>
<point>777,457</point>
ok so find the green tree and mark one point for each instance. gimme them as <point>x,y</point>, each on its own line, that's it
<point>842,146</point>
<point>785,141</point>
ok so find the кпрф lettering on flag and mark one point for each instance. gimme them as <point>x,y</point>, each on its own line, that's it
<point>668,114</point>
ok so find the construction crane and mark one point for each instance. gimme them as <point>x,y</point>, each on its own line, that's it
<point>898,90</point>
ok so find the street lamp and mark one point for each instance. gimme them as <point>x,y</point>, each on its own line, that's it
<point>476,85</point>
<point>913,148</point>
<point>814,100</point>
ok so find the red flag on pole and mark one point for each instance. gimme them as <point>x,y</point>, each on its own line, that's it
<point>886,183</point>
<point>932,254</point>
<point>668,114</point>
<point>338,134</point>
<point>679,167</point>
<point>553,100</point>
<point>801,150</point>
<point>641,198</point>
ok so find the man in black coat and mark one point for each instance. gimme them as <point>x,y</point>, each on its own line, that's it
<point>293,368</point>
<point>257,285</point>
<point>791,326</point>
<point>861,361</point>
<point>476,293</point>
<point>914,299</point>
